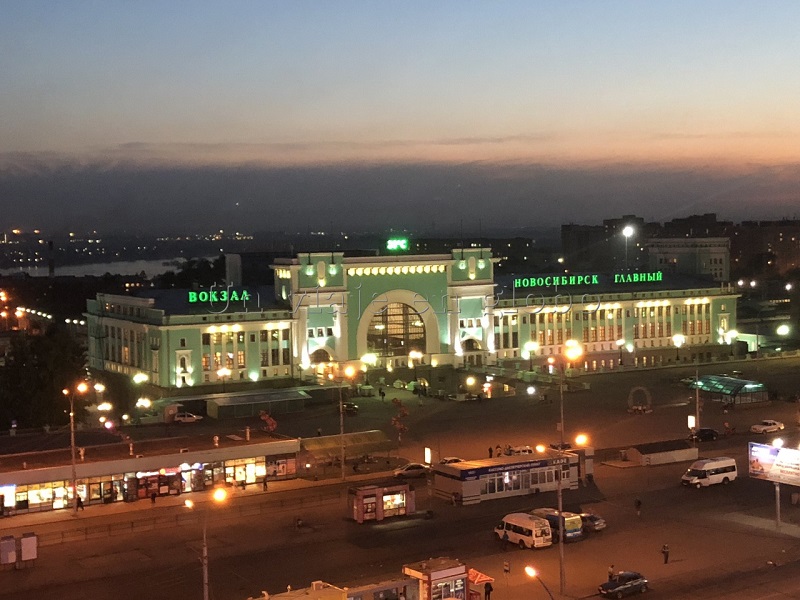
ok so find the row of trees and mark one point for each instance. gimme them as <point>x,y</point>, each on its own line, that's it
<point>36,371</point>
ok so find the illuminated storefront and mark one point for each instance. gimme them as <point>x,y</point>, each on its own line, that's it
<point>376,502</point>
<point>138,478</point>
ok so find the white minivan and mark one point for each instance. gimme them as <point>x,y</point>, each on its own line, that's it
<point>709,471</point>
<point>524,530</point>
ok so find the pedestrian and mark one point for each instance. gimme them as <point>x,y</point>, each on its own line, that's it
<point>637,504</point>
<point>264,484</point>
<point>490,451</point>
<point>153,497</point>
<point>244,484</point>
<point>487,591</point>
<point>665,553</point>
<point>505,540</point>
<point>610,572</point>
<point>319,431</point>
<point>80,503</point>
<point>498,450</point>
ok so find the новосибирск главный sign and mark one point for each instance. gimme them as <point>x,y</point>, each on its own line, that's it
<point>587,279</point>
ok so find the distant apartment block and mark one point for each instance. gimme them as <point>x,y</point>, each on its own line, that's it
<point>703,257</point>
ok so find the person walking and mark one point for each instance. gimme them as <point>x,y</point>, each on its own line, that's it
<point>487,591</point>
<point>498,450</point>
<point>319,431</point>
<point>153,498</point>
<point>80,503</point>
<point>491,450</point>
<point>610,572</point>
<point>665,553</point>
<point>505,541</point>
<point>637,504</point>
<point>265,484</point>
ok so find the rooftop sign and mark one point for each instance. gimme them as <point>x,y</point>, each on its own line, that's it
<point>214,296</point>
<point>397,244</point>
<point>587,279</point>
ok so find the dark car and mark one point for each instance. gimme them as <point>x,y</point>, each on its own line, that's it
<point>623,584</point>
<point>704,434</point>
<point>592,522</point>
<point>350,408</point>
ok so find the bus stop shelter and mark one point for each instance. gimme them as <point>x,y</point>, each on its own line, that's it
<point>731,391</point>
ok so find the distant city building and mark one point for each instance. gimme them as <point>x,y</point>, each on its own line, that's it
<point>702,257</point>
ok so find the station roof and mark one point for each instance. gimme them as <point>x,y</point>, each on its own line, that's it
<point>727,386</point>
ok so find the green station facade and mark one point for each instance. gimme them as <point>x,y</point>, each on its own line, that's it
<point>326,311</point>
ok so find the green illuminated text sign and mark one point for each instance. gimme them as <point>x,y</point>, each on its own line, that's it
<point>218,296</point>
<point>587,279</point>
<point>396,244</point>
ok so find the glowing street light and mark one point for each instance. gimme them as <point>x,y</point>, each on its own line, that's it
<point>627,231</point>
<point>572,351</point>
<point>140,378</point>
<point>679,340</point>
<point>222,374</point>
<point>534,574</point>
<point>529,350</point>
<point>349,371</point>
<point>219,496</point>
<point>81,389</point>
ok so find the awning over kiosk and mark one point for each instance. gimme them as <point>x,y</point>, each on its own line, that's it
<point>477,578</point>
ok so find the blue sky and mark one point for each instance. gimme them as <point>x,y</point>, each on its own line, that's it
<point>673,85</point>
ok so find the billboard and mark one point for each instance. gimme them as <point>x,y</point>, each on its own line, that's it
<point>781,465</point>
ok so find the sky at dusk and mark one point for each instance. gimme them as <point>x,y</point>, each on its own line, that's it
<point>262,115</point>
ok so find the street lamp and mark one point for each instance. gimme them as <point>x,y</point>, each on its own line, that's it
<point>620,345</point>
<point>81,388</point>
<point>572,351</point>
<point>219,496</point>
<point>349,371</point>
<point>533,574</point>
<point>529,350</point>
<point>777,443</point>
<point>368,360</point>
<point>627,231</point>
<point>678,339</point>
<point>413,358</point>
<point>222,374</point>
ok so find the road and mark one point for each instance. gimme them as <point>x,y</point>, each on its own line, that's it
<point>704,528</point>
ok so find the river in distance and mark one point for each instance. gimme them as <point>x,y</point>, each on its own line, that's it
<point>123,267</point>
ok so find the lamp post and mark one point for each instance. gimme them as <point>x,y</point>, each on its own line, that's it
<point>413,358</point>
<point>219,496</point>
<point>529,350</point>
<point>533,573</point>
<point>572,351</point>
<point>627,232</point>
<point>620,345</point>
<point>222,374</point>
<point>349,371</point>
<point>678,339</point>
<point>81,388</point>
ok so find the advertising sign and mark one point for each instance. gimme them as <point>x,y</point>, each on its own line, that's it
<point>781,465</point>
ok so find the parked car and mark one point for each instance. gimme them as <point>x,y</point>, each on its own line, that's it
<point>450,459</point>
<point>187,417</point>
<point>767,426</point>
<point>520,450</point>
<point>411,470</point>
<point>704,434</point>
<point>350,408</point>
<point>623,584</point>
<point>592,522</point>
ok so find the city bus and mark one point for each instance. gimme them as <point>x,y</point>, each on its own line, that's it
<point>573,524</point>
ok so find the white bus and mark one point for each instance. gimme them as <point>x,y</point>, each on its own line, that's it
<point>710,471</point>
<point>524,530</point>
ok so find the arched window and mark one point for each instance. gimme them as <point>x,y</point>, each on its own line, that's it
<point>396,330</point>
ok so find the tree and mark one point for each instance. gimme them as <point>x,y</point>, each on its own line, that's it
<point>37,369</point>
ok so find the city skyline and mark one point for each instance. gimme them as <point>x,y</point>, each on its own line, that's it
<point>347,114</point>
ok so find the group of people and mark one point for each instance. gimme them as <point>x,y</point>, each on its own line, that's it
<point>500,451</point>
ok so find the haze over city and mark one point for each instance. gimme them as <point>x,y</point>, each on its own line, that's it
<point>163,117</point>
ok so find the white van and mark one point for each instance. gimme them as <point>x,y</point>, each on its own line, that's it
<point>524,530</point>
<point>709,471</point>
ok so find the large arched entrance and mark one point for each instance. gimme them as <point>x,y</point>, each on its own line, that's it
<point>396,330</point>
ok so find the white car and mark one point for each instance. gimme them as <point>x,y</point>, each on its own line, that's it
<point>411,470</point>
<point>187,417</point>
<point>767,426</point>
<point>447,460</point>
